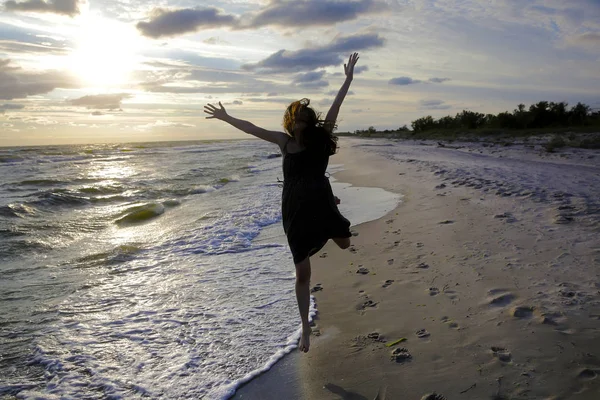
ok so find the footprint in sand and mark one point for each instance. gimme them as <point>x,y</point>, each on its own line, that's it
<point>390,261</point>
<point>354,233</point>
<point>451,324</point>
<point>316,288</point>
<point>362,270</point>
<point>352,249</point>
<point>422,333</point>
<point>423,266</point>
<point>366,304</point>
<point>387,283</point>
<point>446,222</point>
<point>501,353</point>
<point>587,374</point>
<point>500,298</point>
<point>522,312</point>
<point>389,221</point>
<point>323,255</point>
<point>419,244</point>
<point>433,291</point>
<point>401,355</point>
<point>433,396</point>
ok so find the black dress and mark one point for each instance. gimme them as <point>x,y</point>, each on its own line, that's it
<point>310,215</point>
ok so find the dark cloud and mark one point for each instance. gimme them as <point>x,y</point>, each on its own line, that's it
<point>63,7</point>
<point>101,101</point>
<point>434,105</point>
<point>403,80</point>
<point>18,84</point>
<point>312,12</point>
<point>331,54</point>
<point>98,113</point>
<point>439,80</point>
<point>238,102</point>
<point>310,80</point>
<point>301,13</point>
<point>165,23</point>
<point>360,69</point>
<point>8,106</point>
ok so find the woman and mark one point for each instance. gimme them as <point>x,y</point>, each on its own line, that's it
<point>309,210</point>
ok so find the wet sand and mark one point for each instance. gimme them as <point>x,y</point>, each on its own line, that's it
<point>460,291</point>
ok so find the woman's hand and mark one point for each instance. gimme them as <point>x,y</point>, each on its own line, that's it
<point>218,113</point>
<point>349,68</point>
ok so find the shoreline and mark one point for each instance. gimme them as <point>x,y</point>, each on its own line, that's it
<point>493,296</point>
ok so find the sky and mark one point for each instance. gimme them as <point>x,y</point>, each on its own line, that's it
<point>76,71</point>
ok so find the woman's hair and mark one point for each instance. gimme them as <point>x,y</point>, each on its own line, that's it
<point>317,134</point>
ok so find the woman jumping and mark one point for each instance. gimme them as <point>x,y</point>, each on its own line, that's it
<point>309,210</point>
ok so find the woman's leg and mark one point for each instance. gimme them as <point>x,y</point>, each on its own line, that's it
<point>303,297</point>
<point>343,243</point>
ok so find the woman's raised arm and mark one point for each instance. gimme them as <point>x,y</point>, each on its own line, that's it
<point>337,103</point>
<point>245,126</point>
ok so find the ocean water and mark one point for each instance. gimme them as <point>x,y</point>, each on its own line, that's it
<point>149,270</point>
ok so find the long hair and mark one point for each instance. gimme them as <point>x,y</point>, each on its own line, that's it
<point>318,133</point>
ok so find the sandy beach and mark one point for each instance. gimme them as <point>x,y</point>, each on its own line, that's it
<point>482,284</point>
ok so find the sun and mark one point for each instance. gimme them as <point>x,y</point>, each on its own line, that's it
<point>106,51</point>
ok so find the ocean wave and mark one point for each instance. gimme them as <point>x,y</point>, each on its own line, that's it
<point>17,210</point>
<point>117,255</point>
<point>140,214</point>
<point>224,181</point>
<point>10,233</point>
<point>11,159</point>
<point>171,203</point>
<point>60,197</point>
<point>41,182</point>
<point>193,190</point>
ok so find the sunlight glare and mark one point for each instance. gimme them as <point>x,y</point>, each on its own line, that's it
<point>106,51</point>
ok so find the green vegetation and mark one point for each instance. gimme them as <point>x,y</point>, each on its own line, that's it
<point>539,116</point>
<point>540,119</point>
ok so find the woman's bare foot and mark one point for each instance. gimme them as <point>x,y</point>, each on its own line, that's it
<point>305,340</point>
<point>337,200</point>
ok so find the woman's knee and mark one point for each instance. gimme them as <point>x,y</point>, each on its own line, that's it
<point>343,243</point>
<point>303,271</point>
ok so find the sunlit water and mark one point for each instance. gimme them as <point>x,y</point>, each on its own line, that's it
<point>147,270</point>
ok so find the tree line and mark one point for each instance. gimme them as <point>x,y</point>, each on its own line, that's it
<point>543,114</point>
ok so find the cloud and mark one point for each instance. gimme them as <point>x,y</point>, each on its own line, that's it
<point>438,80</point>
<point>164,23</point>
<point>317,57</point>
<point>313,12</point>
<point>434,104</point>
<point>101,101</point>
<point>63,7</point>
<point>590,40</point>
<point>12,46</point>
<point>6,107</point>
<point>216,40</point>
<point>301,13</point>
<point>360,69</point>
<point>403,80</point>
<point>18,84</point>
<point>310,80</point>
<point>98,113</point>
<point>162,124</point>
<point>335,92</point>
